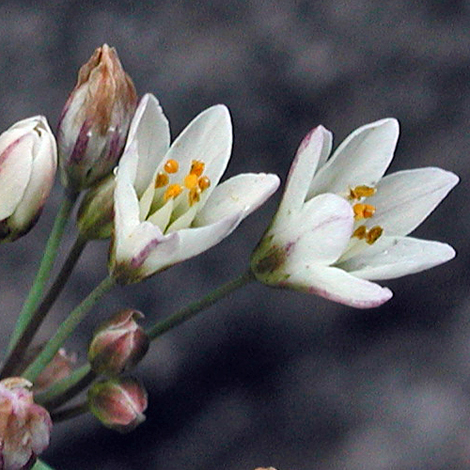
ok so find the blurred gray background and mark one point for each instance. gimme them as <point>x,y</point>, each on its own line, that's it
<point>270,377</point>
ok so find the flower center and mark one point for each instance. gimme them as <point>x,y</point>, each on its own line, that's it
<point>194,182</point>
<point>363,211</point>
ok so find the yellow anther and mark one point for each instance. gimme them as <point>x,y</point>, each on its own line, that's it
<point>171,166</point>
<point>363,211</point>
<point>374,234</point>
<point>204,182</point>
<point>194,195</point>
<point>161,180</point>
<point>360,232</point>
<point>361,191</point>
<point>197,168</point>
<point>174,190</point>
<point>190,181</point>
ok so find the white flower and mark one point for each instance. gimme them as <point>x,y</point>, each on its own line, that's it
<point>168,207</point>
<point>28,161</point>
<point>341,224</point>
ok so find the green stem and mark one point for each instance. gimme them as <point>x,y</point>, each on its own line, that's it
<point>40,465</point>
<point>193,309</point>
<point>70,412</point>
<point>68,387</point>
<point>47,262</point>
<point>37,317</point>
<point>63,390</point>
<point>66,329</point>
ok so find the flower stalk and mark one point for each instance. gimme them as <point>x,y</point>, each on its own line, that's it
<point>45,268</point>
<point>194,308</point>
<point>66,329</point>
<point>38,316</point>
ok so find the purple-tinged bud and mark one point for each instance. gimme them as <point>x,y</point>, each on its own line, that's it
<point>61,366</point>
<point>118,344</point>
<point>95,214</point>
<point>28,161</point>
<point>118,403</point>
<point>24,426</point>
<point>95,120</point>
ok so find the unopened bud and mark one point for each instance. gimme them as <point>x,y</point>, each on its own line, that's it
<point>24,426</point>
<point>95,120</point>
<point>95,215</point>
<point>28,160</point>
<point>59,368</point>
<point>118,403</point>
<point>118,344</point>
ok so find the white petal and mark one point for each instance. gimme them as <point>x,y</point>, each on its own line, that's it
<point>404,199</point>
<point>148,139</point>
<point>16,162</point>
<point>126,212</point>
<point>160,254</point>
<point>361,159</point>
<point>191,242</point>
<point>339,286</point>
<point>315,146</point>
<point>143,243</point>
<point>208,138</point>
<point>392,257</point>
<point>42,176</point>
<point>242,193</point>
<point>318,234</point>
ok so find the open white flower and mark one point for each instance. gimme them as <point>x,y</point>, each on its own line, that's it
<point>168,207</point>
<point>341,224</point>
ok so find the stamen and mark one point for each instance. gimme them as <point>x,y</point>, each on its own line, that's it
<point>374,234</point>
<point>194,195</point>
<point>204,183</point>
<point>161,180</point>
<point>197,168</point>
<point>171,166</point>
<point>174,190</point>
<point>363,211</point>
<point>361,191</point>
<point>190,181</point>
<point>360,232</point>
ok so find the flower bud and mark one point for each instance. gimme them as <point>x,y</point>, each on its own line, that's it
<point>95,120</point>
<point>118,403</point>
<point>28,161</point>
<point>95,214</point>
<point>118,344</point>
<point>59,368</point>
<point>24,426</point>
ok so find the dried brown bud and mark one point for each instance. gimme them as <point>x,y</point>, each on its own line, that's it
<point>95,120</point>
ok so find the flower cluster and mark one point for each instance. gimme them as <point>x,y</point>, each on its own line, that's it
<point>341,225</point>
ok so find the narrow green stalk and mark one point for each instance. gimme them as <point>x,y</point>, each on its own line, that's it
<point>63,390</point>
<point>47,262</point>
<point>69,413</point>
<point>40,465</point>
<point>71,386</point>
<point>37,317</point>
<point>193,309</point>
<point>66,329</point>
